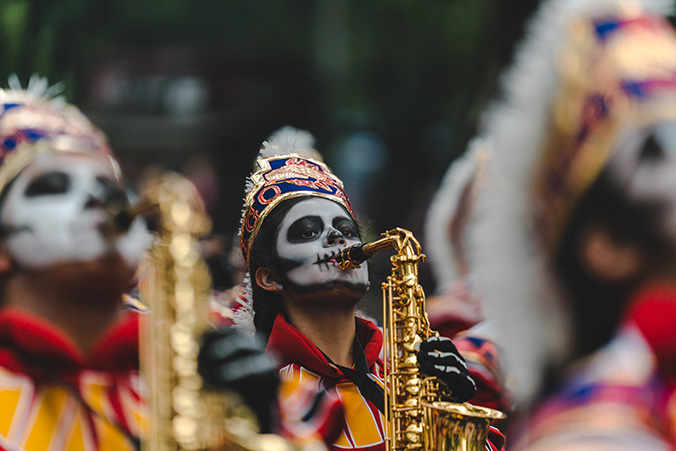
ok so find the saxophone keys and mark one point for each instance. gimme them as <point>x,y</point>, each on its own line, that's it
<point>410,361</point>
<point>411,404</point>
<point>412,340</point>
<point>410,280</point>
<point>414,433</point>
<point>413,386</point>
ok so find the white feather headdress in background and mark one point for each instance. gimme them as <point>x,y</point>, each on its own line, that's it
<point>451,213</point>
<point>520,297</point>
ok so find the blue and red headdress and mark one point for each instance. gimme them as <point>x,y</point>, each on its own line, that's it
<point>619,74</point>
<point>589,74</point>
<point>281,177</point>
<point>288,167</point>
<point>33,123</point>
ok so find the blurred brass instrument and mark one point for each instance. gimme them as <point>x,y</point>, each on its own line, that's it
<point>175,284</point>
<point>418,412</point>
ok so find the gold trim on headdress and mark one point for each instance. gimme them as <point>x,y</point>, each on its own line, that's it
<point>33,124</point>
<point>615,74</point>
<point>283,177</point>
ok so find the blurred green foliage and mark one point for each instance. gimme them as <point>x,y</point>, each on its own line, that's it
<point>373,54</point>
<point>420,70</point>
<point>414,73</point>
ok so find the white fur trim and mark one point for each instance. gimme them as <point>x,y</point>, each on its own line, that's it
<point>243,315</point>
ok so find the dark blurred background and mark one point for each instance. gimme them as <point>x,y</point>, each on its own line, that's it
<point>391,89</point>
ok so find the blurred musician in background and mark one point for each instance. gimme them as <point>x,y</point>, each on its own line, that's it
<point>576,250</point>
<point>455,309</point>
<point>68,347</point>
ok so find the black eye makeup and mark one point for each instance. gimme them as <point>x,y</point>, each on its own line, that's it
<point>347,227</point>
<point>49,183</point>
<point>661,143</point>
<point>307,228</point>
<point>652,150</point>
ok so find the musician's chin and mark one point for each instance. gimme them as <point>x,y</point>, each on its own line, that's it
<point>328,293</point>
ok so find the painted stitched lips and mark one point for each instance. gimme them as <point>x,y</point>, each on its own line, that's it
<point>327,260</point>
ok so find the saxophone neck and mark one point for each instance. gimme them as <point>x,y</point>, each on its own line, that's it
<point>396,239</point>
<point>352,257</point>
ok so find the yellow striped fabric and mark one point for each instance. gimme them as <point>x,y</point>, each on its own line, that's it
<point>363,426</point>
<point>55,417</point>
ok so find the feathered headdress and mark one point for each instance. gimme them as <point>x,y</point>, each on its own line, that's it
<point>450,214</point>
<point>287,167</point>
<point>33,122</point>
<point>586,70</point>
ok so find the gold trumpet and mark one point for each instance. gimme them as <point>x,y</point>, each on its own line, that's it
<point>418,414</point>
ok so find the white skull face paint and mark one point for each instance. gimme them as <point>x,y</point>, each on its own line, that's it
<point>646,164</point>
<point>313,232</point>
<point>54,209</point>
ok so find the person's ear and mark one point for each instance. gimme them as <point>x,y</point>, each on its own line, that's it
<point>5,263</point>
<point>608,259</point>
<point>6,260</point>
<point>266,280</point>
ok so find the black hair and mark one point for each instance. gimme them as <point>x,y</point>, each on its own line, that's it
<point>267,305</point>
<point>3,196</point>
<point>598,306</point>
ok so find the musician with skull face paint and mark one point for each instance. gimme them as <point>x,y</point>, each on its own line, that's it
<point>68,347</point>
<point>296,221</point>
<point>309,238</point>
<point>584,136</point>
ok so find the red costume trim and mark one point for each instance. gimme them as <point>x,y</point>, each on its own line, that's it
<point>653,310</point>
<point>288,345</point>
<point>26,339</point>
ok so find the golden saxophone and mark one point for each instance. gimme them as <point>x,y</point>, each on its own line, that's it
<point>418,414</point>
<point>175,284</point>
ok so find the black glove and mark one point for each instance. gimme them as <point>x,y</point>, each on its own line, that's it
<point>234,361</point>
<point>439,357</point>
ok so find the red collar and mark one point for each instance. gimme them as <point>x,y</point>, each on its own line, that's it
<point>653,310</point>
<point>28,342</point>
<point>289,345</point>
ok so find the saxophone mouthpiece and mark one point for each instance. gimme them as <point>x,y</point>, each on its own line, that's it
<point>352,257</point>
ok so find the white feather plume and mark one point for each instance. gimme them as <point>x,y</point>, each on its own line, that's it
<point>289,140</point>
<point>38,89</point>
<point>519,295</point>
<point>442,210</point>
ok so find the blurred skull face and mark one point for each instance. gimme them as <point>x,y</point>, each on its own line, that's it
<point>645,164</point>
<point>311,234</point>
<point>54,210</point>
